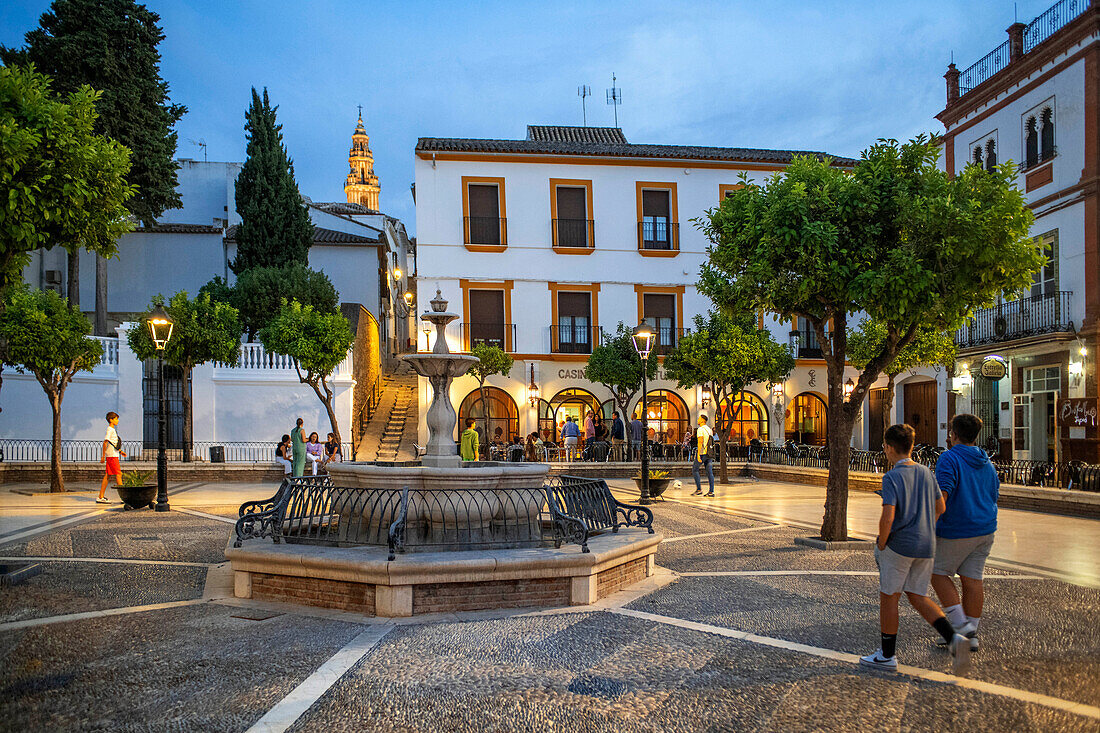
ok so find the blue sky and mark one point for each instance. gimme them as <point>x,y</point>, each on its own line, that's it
<point>830,76</point>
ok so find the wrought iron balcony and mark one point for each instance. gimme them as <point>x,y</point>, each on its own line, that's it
<point>804,344</point>
<point>573,339</point>
<point>502,335</point>
<point>1016,319</point>
<point>483,230</point>
<point>666,339</point>
<point>576,233</point>
<point>659,235</point>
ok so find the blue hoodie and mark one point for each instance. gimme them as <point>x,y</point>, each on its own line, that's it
<point>970,483</point>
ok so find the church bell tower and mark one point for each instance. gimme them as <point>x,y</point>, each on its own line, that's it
<point>361,186</point>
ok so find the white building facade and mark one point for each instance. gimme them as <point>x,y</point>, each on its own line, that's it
<point>539,244</point>
<point>1034,100</point>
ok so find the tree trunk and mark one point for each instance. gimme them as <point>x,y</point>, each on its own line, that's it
<point>889,403</point>
<point>484,392</point>
<point>57,481</point>
<point>325,395</point>
<point>834,525</point>
<point>73,283</point>
<point>101,296</point>
<point>723,471</point>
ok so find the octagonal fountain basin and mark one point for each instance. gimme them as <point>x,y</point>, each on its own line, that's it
<point>470,503</point>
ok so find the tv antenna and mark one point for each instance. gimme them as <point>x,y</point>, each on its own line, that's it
<point>584,91</point>
<point>615,98</point>
<point>201,142</point>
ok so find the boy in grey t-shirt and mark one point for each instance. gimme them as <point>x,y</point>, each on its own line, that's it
<point>906,546</point>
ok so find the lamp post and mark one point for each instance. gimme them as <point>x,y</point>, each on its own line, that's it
<point>643,344</point>
<point>160,328</point>
<point>533,390</point>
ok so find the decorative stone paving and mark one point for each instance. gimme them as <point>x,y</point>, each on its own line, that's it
<point>74,587</point>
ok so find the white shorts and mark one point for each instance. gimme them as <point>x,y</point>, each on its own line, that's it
<point>965,556</point>
<point>897,573</point>
<point>571,441</point>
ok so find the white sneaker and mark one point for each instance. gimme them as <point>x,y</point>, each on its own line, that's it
<point>878,661</point>
<point>960,655</point>
<point>968,630</point>
<point>102,500</point>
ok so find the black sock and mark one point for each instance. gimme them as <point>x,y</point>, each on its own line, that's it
<point>942,625</point>
<point>889,644</point>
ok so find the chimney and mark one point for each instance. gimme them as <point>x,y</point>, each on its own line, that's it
<point>952,77</point>
<point>1015,41</point>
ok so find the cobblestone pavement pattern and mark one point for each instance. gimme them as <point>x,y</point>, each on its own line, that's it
<point>221,667</point>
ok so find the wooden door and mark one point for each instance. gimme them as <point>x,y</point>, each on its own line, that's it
<point>877,410</point>
<point>920,410</point>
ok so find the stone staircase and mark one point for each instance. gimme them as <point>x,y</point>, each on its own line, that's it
<point>390,433</point>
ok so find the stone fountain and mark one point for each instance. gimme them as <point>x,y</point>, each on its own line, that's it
<point>478,533</point>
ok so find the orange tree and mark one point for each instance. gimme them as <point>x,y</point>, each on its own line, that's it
<point>896,238</point>
<point>724,355</point>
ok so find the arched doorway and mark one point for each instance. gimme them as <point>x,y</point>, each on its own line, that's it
<point>805,420</point>
<point>547,429</point>
<point>668,416</point>
<point>575,402</point>
<point>503,414</point>
<point>746,416</point>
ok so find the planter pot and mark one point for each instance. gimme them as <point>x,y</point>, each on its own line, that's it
<point>657,486</point>
<point>136,497</point>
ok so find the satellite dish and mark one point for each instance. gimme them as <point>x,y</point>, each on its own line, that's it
<point>1000,326</point>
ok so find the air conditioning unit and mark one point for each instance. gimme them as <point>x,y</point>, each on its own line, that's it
<point>53,277</point>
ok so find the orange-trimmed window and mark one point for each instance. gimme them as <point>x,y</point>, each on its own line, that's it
<point>484,215</point>
<point>726,189</point>
<point>658,227</point>
<point>487,307</point>
<point>663,309</point>
<point>575,313</point>
<point>571,223</point>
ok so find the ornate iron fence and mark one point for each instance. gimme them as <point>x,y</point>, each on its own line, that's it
<point>1051,20</point>
<point>72,451</point>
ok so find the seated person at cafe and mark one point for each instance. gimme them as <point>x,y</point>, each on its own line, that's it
<point>282,454</point>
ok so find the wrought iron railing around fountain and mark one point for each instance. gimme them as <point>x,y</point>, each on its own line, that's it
<point>310,510</point>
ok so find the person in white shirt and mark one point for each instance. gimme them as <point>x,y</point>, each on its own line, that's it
<point>704,437</point>
<point>112,450</point>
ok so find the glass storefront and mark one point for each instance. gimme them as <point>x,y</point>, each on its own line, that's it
<point>746,416</point>
<point>668,417</point>
<point>503,415</point>
<point>805,420</point>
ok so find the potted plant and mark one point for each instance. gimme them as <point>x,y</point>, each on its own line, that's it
<point>136,491</point>
<point>658,482</point>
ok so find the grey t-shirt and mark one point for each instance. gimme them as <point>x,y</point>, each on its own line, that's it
<point>911,489</point>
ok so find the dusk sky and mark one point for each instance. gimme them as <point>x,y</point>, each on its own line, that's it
<point>830,76</point>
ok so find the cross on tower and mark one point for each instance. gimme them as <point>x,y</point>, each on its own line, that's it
<point>360,111</point>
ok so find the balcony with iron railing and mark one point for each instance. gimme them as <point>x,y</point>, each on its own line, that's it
<point>501,335</point>
<point>1045,25</point>
<point>658,236</point>
<point>573,233</point>
<point>573,339</point>
<point>1017,319</point>
<point>666,339</point>
<point>486,231</point>
<point>804,344</point>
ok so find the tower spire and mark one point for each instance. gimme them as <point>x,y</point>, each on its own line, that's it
<point>361,185</point>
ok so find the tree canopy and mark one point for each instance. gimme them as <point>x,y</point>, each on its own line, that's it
<point>275,228</point>
<point>44,335</point>
<point>111,45</point>
<point>62,183</point>
<point>616,365</point>
<point>724,355</point>
<point>203,330</point>
<point>895,238</point>
<point>317,342</point>
<point>259,291</point>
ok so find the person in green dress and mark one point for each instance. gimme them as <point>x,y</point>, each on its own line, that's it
<point>299,449</point>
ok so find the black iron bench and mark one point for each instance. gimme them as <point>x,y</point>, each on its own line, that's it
<point>580,507</point>
<point>262,518</point>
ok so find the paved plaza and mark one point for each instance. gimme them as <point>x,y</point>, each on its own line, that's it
<point>131,625</point>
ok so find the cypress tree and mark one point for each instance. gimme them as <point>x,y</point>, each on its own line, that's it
<point>275,229</point>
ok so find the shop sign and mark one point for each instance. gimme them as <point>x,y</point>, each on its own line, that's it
<point>994,367</point>
<point>1078,412</point>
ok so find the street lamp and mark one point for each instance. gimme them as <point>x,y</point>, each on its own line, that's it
<point>849,387</point>
<point>160,328</point>
<point>533,390</point>
<point>643,344</point>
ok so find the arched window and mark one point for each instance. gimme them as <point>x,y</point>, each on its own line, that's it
<point>805,420</point>
<point>978,155</point>
<point>1046,131</point>
<point>547,429</point>
<point>574,401</point>
<point>990,154</point>
<point>1031,142</point>
<point>607,409</point>
<point>667,415</point>
<point>746,416</point>
<point>503,414</point>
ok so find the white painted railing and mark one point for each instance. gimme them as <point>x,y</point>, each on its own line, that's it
<point>254,358</point>
<point>110,350</point>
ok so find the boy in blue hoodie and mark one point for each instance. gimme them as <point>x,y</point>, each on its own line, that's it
<point>964,533</point>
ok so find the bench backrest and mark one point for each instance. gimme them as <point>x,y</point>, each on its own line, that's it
<point>588,500</point>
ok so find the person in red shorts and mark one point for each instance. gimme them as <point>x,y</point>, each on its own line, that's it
<point>112,449</point>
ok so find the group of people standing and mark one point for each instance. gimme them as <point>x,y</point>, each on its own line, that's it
<point>295,451</point>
